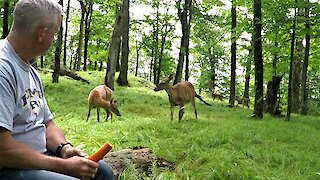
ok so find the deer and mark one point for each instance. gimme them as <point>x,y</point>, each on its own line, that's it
<point>217,95</point>
<point>101,96</point>
<point>243,100</point>
<point>179,95</point>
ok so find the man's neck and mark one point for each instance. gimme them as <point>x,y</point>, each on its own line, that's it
<point>22,46</point>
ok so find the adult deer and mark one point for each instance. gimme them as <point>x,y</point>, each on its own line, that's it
<point>179,95</point>
<point>243,100</point>
<point>101,96</point>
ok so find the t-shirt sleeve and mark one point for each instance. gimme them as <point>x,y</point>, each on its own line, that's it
<point>7,105</point>
<point>47,113</point>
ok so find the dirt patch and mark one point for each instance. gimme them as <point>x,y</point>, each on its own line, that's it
<point>141,157</point>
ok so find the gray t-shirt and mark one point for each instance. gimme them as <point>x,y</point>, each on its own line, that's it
<point>23,107</point>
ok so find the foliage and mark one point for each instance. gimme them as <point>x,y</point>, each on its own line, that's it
<point>223,143</point>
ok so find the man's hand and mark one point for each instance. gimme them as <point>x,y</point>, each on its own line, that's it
<point>81,167</point>
<point>68,151</point>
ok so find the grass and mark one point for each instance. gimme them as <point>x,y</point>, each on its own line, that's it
<point>223,143</point>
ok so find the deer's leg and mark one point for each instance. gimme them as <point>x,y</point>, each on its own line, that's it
<point>171,112</point>
<point>107,115</point>
<point>181,112</point>
<point>193,103</point>
<point>98,112</point>
<point>88,114</point>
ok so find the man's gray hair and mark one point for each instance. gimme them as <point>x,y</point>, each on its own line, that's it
<point>28,15</point>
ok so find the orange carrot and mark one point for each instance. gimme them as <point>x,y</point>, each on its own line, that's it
<point>99,154</point>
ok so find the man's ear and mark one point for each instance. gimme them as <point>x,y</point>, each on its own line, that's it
<point>42,31</point>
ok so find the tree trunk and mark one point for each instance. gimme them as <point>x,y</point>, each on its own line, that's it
<point>80,42</point>
<point>123,75</point>
<point>41,61</point>
<point>293,37</point>
<point>138,48</point>
<point>87,34</point>
<point>212,80</point>
<point>156,79</point>
<point>164,35</point>
<point>272,101</point>
<point>275,59</point>
<point>114,50</point>
<point>296,77</point>
<point>304,91</point>
<point>189,9</point>
<point>248,73</point>
<point>258,63</point>
<point>55,74</point>
<point>5,19</point>
<point>183,14</point>
<point>118,55</point>
<point>233,56</point>
<point>66,36</point>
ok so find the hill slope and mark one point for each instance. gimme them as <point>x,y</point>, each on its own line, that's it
<point>223,143</point>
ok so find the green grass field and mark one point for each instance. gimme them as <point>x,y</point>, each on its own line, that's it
<point>223,143</point>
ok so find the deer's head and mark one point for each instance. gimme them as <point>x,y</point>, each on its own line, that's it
<point>114,107</point>
<point>163,83</point>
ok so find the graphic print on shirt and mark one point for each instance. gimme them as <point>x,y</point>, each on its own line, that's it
<point>33,99</point>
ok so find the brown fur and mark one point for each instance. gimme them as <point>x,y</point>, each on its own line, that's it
<point>216,95</point>
<point>101,96</point>
<point>179,95</point>
<point>243,100</point>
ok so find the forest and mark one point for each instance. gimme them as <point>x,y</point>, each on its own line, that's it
<point>266,52</point>
<point>261,54</point>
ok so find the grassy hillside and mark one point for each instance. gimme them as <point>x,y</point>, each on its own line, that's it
<point>223,143</point>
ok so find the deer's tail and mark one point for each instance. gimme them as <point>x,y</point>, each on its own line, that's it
<point>199,97</point>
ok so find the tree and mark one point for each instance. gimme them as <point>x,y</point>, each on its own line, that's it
<point>258,63</point>
<point>66,35</point>
<point>304,106</point>
<point>5,19</point>
<point>293,37</point>
<point>56,71</point>
<point>88,18</point>
<point>123,75</point>
<point>80,40</point>
<point>114,48</point>
<point>185,19</point>
<point>233,55</point>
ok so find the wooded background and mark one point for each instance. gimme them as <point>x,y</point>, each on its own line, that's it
<point>234,48</point>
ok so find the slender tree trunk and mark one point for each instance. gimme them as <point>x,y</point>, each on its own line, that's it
<point>151,64</point>
<point>304,105</point>
<point>88,18</point>
<point>293,37</point>
<point>55,74</point>
<point>248,73</point>
<point>123,75</point>
<point>165,32</point>
<point>137,57</point>
<point>275,59</point>
<point>233,56</point>
<point>156,48</point>
<point>5,19</point>
<point>212,81</point>
<point>66,36</point>
<point>118,55</point>
<point>79,50</point>
<point>189,18</point>
<point>41,61</point>
<point>258,63</point>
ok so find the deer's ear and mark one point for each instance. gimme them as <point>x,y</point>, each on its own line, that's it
<point>170,77</point>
